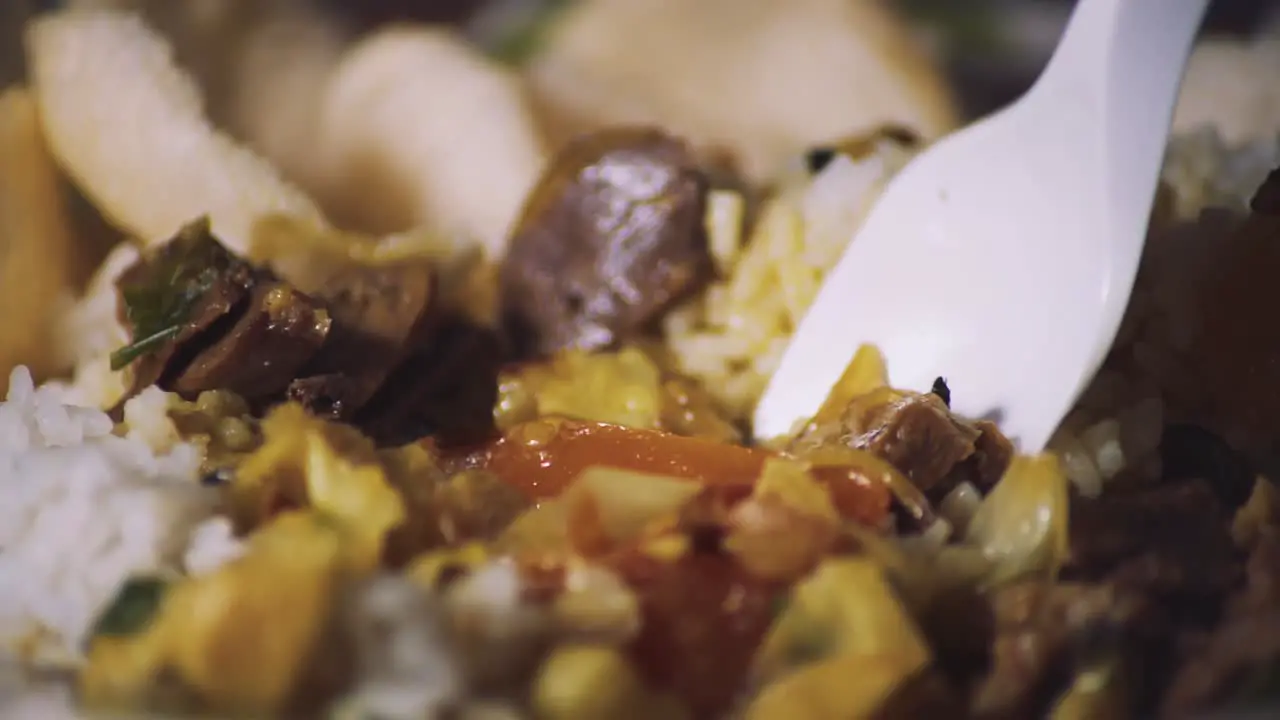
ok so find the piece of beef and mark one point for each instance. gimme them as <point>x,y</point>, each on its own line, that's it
<point>260,355</point>
<point>380,314</point>
<point>1236,346</point>
<point>1044,633</point>
<point>992,453</point>
<point>179,294</point>
<point>918,435</point>
<point>610,237</point>
<point>447,390</point>
<point>1239,662</point>
<point>1172,540</point>
<point>372,345</point>
<point>1190,451</point>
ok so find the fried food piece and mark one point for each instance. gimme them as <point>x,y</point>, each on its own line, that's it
<point>38,260</point>
<point>762,80</point>
<point>129,127</point>
<point>422,130</point>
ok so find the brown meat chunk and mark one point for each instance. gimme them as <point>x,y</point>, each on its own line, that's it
<point>370,345</point>
<point>176,295</point>
<point>1173,540</point>
<point>612,234</point>
<point>1041,630</point>
<point>260,355</point>
<point>1237,347</point>
<point>1189,451</point>
<point>1241,659</point>
<point>380,314</point>
<point>915,433</point>
<point>992,453</point>
<point>447,390</point>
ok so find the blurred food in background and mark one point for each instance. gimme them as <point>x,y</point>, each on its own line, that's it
<point>400,357</point>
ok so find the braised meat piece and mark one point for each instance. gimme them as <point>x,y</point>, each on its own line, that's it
<point>1173,540</point>
<point>1235,346</point>
<point>270,342</point>
<point>1044,632</point>
<point>447,390</point>
<point>1240,661</point>
<point>380,315</point>
<point>174,296</point>
<point>372,345</point>
<point>918,435</point>
<point>1190,451</point>
<point>992,453</point>
<point>612,234</point>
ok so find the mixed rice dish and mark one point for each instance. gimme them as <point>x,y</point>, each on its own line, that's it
<point>258,464</point>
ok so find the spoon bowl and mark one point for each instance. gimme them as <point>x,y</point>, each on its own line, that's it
<point>1003,257</point>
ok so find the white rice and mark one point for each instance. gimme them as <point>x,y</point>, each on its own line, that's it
<point>81,510</point>
<point>90,330</point>
<point>213,544</point>
<point>408,666</point>
<point>19,700</point>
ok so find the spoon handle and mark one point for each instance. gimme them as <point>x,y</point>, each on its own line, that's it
<point>1114,80</point>
<point>1124,60</point>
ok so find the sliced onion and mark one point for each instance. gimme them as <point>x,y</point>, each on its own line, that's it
<point>1022,525</point>
<point>846,608</point>
<point>596,606</point>
<point>786,526</point>
<point>618,503</point>
<point>938,532</point>
<point>960,505</point>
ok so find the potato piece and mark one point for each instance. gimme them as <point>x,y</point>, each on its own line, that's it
<point>762,79</point>
<point>423,130</point>
<point>857,686</point>
<point>841,649</point>
<point>586,683</point>
<point>38,261</point>
<point>128,126</point>
<point>245,636</point>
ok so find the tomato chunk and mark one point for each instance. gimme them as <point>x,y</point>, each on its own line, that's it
<point>704,617</point>
<point>542,457</point>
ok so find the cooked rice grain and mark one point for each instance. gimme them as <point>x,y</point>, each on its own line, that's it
<point>732,337</point>
<point>82,509</point>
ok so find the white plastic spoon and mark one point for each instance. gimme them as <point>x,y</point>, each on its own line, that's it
<point>1003,257</point>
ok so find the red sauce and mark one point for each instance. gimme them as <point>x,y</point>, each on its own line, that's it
<point>704,614</point>
<point>704,617</point>
<point>542,458</point>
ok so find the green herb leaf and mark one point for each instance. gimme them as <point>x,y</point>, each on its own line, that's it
<point>133,608</point>
<point>160,296</point>
<point>515,32</point>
